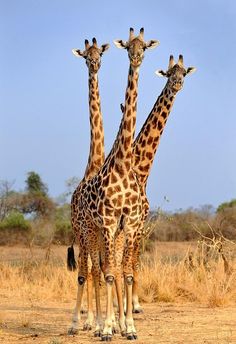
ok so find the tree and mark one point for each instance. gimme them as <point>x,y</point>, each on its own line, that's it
<point>6,194</point>
<point>34,184</point>
<point>36,199</point>
<point>71,185</point>
<point>226,205</point>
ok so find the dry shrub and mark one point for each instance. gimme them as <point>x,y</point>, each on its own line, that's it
<point>33,281</point>
<point>169,282</point>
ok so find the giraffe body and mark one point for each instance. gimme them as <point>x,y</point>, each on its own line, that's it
<point>147,142</point>
<point>92,55</point>
<point>110,202</point>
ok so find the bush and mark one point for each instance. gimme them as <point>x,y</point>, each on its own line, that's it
<point>14,229</point>
<point>226,205</point>
<point>178,226</point>
<point>225,222</point>
<point>15,220</point>
<point>63,231</point>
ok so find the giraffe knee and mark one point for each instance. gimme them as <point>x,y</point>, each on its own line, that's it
<point>81,280</point>
<point>109,279</point>
<point>129,280</point>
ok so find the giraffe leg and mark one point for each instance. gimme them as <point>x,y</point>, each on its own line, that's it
<point>137,308</point>
<point>114,295</point>
<point>89,321</point>
<point>119,292</point>
<point>81,281</point>
<point>135,299</point>
<point>119,244</point>
<point>97,277</point>
<point>113,317</point>
<point>107,331</point>
<point>109,278</point>
<point>128,278</point>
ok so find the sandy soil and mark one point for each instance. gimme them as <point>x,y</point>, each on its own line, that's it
<point>160,323</point>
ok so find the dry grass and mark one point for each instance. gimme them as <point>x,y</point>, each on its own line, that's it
<point>178,282</point>
<point>163,277</point>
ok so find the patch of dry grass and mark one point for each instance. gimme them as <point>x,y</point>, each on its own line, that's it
<point>161,279</point>
<point>209,284</point>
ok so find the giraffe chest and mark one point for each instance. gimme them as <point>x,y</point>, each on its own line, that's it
<point>108,199</point>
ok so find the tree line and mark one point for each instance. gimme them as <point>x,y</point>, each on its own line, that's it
<point>32,215</point>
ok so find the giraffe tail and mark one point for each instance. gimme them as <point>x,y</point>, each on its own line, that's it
<point>71,263</point>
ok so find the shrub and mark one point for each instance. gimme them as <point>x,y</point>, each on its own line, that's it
<point>14,229</point>
<point>15,220</point>
<point>63,231</point>
<point>225,205</point>
<point>225,222</point>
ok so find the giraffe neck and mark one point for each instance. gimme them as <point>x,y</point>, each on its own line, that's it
<point>96,154</point>
<point>148,139</point>
<point>120,156</point>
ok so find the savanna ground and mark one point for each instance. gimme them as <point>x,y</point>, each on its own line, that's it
<point>186,298</point>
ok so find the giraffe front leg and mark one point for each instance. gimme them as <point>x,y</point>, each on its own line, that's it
<point>109,278</point>
<point>96,271</point>
<point>108,324</point>
<point>120,304</point>
<point>119,244</point>
<point>115,328</point>
<point>81,281</point>
<point>130,328</point>
<point>90,317</point>
<point>137,308</point>
<point>128,278</point>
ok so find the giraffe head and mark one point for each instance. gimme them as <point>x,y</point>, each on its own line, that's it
<point>92,54</point>
<point>136,47</point>
<point>176,73</point>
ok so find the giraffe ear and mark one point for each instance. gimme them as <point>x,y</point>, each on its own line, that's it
<point>160,73</point>
<point>77,53</point>
<point>191,70</point>
<point>104,47</point>
<point>152,44</point>
<point>120,44</point>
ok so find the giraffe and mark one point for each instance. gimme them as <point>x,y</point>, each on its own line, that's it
<point>110,201</point>
<point>147,142</point>
<point>92,55</point>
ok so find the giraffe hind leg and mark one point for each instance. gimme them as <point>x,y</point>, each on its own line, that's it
<point>82,276</point>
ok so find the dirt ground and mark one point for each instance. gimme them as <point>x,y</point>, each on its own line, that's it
<point>160,323</point>
<point>47,322</point>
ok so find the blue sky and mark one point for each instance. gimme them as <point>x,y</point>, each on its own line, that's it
<point>44,92</point>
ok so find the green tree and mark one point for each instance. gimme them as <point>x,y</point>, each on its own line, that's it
<point>36,200</point>
<point>34,184</point>
<point>226,205</point>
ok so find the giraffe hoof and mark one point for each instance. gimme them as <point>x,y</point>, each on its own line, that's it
<point>138,310</point>
<point>115,330</point>
<point>97,333</point>
<point>123,333</point>
<point>106,338</point>
<point>131,336</point>
<point>87,327</point>
<point>72,331</point>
